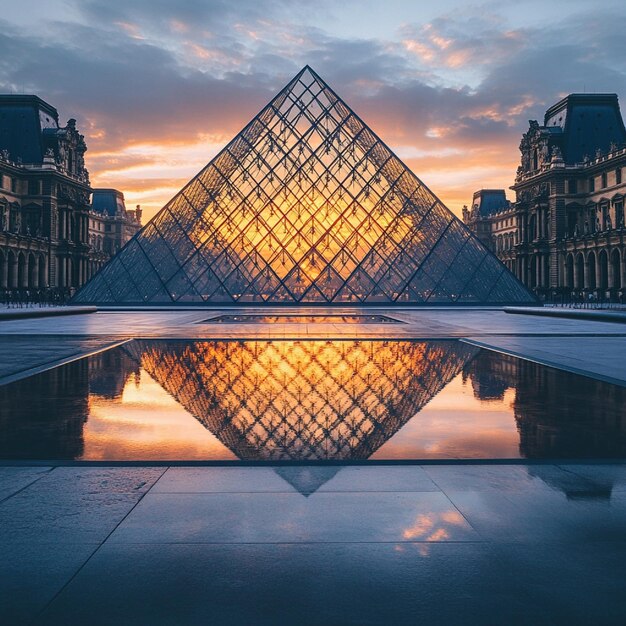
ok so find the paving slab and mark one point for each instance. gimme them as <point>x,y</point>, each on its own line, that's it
<point>14,479</point>
<point>293,584</point>
<point>287,518</point>
<point>581,584</point>
<point>597,356</point>
<point>73,505</point>
<point>32,574</point>
<point>527,544</point>
<point>293,479</point>
<point>516,479</point>
<point>613,475</point>
<point>518,544</point>
<point>544,517</point>
<point>432,323</point>
<point>22,354</point>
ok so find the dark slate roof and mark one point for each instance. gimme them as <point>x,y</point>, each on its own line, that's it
<point>107,201</point>
<point>22,121</point>
<point>587,122</point>
<point>490,201</point>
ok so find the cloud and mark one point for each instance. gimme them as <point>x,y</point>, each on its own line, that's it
<point>471,43</point>
<point>157,87</point>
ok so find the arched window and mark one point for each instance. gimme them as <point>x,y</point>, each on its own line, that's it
<point>616,269</point>
<point>603,260</point>
<point>591,271</point>
<point>579,279</point>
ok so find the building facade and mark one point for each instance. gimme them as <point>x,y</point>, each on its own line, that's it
<point>46,217</point>
<point>111,225</point>
<point>564,235</point>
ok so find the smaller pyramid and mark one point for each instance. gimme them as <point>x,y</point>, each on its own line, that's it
<point>306,205</point>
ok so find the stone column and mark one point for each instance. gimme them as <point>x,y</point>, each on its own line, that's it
<point>4,277</point>
<point>61,272</point>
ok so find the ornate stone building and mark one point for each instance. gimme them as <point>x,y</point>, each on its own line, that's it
<point>568,217</point>
<point>45,211</point>
<point>111,225</point>
<point>492,218</point>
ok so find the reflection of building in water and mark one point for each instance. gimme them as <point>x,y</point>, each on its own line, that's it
<point>42,417</point>
<point>574,487</point>
<point>491,375</point>
<point>52,428</point>
<point>109,372</point>
<point>280,400</point>
<point>558,414</point>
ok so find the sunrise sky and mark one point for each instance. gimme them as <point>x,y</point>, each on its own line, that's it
<point>158,86</point>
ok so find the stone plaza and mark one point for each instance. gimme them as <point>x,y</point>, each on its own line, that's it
<point>482,541</point>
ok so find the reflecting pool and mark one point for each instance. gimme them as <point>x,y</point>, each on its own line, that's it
<point>308,401</point>
<point>301,319</point>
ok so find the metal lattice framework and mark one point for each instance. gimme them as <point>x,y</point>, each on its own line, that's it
<point>305,205</point>
<point>302,400</point>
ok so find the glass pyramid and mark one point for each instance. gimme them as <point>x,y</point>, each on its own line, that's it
<point>302,400</point>
<point>305,205</point>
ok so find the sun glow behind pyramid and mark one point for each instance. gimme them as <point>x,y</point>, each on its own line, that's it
<point>305,205</point>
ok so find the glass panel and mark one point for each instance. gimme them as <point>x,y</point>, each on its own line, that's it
<point>306,204</point>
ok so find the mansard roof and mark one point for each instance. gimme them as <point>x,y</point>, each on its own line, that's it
<point>584,123</point>
<point>490,201</point>
<point>108,201</point>
<point>23,119</point>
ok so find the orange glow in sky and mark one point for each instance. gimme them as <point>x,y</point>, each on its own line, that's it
<point>149,174</point>
<point>157,88</point>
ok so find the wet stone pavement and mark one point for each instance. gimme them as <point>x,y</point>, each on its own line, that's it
<point>446,543</point>
<point>441,543</point>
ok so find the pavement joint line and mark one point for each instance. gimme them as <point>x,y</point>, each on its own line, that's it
<point>291,493</point>
<point>35,619</point>
<point>292,543</point>
<point>534,359</point>
<point>442,490</point>
<point>27,486</point>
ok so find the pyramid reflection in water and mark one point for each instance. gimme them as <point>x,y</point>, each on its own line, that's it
<point>305,205</point>
<point>294,400</point>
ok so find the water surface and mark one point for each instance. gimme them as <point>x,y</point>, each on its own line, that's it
<point>308,401</point>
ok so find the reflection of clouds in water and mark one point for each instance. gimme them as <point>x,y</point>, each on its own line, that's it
<point>423,549</point>
<point>458,424</point>
<point>145,422</point>
<point>432,526</point>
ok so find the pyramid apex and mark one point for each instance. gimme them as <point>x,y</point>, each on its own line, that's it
<point>308,68</point>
